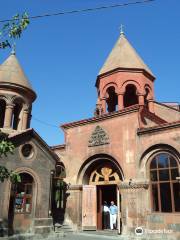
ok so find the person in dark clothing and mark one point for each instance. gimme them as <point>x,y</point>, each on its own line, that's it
<point>106,216</point>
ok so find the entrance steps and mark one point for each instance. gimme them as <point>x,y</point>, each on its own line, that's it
<point>64,228</point>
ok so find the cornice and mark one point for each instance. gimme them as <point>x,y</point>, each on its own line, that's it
<point>127,110</point>
<point>134,185</point>
<point>134,70</point>
<point>161,127</point>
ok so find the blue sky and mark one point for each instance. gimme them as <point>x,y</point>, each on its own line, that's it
<point>62,55</point>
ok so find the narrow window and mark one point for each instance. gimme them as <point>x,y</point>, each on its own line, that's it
<point>130,96</point>
<point>16,115</point>
<point>23,195</point>
<point>112,100</point>
<point>2,112</point>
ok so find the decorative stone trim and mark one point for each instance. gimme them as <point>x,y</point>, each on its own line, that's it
<point>98,137</point>
<point>32,156</point>
<point>161,127</point>
<point>134,185</point>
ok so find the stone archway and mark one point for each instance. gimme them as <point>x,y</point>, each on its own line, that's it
<point>22,203</point>
<point>101,177</point>
<point>94,162</point>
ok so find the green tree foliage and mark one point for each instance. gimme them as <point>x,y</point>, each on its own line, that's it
<point>9,32</point>
<point>13,29</point>
<point>7,147</point>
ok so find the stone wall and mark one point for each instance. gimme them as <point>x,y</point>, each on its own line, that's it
<point>39,167</point>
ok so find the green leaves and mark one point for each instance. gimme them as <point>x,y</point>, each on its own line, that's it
<point>15,177</point>
<point>4,173</point>
<point>13,29</point>
<point>5,147</point>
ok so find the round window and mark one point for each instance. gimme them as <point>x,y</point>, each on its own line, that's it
<point>27,151</point>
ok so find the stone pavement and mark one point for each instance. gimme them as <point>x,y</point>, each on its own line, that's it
<point>89,236</point>
<point>99,236</point>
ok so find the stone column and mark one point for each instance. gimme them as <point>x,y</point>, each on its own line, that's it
<point>151,105</point>
<point>141,99</point>
<point>25,119</point>
<point>8,115</point>
<point>134,204</point>
<point>103,100</point>
<point>120,101</point>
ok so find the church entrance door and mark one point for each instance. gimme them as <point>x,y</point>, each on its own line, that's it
<point>103,182</point>
<point>106,193</point>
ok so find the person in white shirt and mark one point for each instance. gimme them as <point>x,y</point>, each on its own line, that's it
<point>113,215</point>
<point>106,218</point>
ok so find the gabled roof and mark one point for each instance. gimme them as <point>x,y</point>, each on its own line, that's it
<point>133,108</point>
<point>12,73</point>
<point>123,55</point>
<point>31,132</point>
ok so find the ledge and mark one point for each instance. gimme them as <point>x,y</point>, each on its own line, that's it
<point>161,127</point>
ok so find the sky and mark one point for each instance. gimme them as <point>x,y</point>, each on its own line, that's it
<point>62,55</point>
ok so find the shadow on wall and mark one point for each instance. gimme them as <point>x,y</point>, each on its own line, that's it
<point>59,200</point>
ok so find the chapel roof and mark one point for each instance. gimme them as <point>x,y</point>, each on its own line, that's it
<point>123,55</point>
<point>12,73</point>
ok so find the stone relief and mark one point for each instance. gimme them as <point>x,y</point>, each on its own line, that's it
<point>98,137</point>
<point>134,185</point>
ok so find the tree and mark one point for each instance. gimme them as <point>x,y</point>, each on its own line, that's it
<point>6,147</point>
<point>13,29</point>
<point>9,32</point>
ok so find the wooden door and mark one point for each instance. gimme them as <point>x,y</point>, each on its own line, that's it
<point>89,208</point>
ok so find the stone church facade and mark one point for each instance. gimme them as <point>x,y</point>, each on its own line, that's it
<point>127,152</point>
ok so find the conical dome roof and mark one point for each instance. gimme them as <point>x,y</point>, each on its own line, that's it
<point>123,55</point>
<point>11,73</point>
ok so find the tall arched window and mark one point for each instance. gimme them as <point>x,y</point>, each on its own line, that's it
<point>23,195</point>
<point>112,100</point>
<point>165,188</point>
<point>16,115</point>
<point>130,96</point>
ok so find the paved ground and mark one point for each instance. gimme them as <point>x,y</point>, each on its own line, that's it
<point>83,236</point>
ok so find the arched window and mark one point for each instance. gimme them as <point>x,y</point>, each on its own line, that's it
<point>112,100</point>
<point>16,115</point>
<point>23,194</point>
<point>2,112</point>
<point>130,96</point>
<point>146,97</point>
<point>165,190</point>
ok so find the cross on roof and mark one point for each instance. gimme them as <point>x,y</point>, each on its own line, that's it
<point>122,29</point>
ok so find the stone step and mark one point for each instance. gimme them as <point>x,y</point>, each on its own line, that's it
<point>62,228</point>
<point>43,229</point>
<point>43,221</point>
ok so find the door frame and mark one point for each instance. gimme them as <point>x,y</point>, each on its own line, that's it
<point>99,206</point>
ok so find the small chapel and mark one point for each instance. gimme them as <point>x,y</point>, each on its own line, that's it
<point>127,152</point>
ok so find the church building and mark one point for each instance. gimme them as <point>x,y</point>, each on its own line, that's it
<point>128,152</point>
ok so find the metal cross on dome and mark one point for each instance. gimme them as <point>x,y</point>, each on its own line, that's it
<point>13,51</point>
<point>122,29</point>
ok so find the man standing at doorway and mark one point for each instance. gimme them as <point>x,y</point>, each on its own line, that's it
<point>113,215</point>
